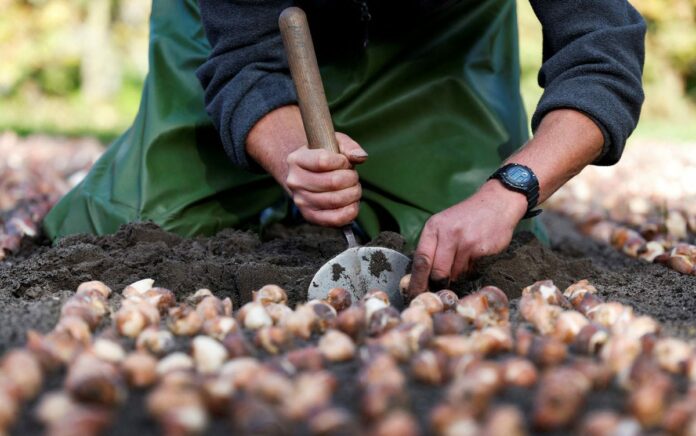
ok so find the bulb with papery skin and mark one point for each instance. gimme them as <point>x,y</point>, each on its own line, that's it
<point>270,294</point>
<point>310,392</point>
<point>382,321</point>
<point>271,339</point>
<point>336,346</point>
<point>559,398</point>
<point>220,327</point>
<point>448,323</point>
<point>417,315</point>
<point>648,402</point>
<point>520,372</point>
<point>672,354</point>
<point>210,308</point>
<point>301,322</point>
<point>92,380</point>
<point>449,299</point>
<point>155,340</point>
<point>505,420</point>
<point>333,420</point>
<point>161,298</point>
<point>24,370</point>
<point>430,301</point>
<point>429,367</point>
<point>397,422</point>
<point>96,285</point>
<point>352,321</point>
<point>184,321</point>
<point>325,315</point>
<point>256,317</point>
<point>140,369</point>
<point>305,359</point>
<point>339,298</point>
<point>568,325</point>
<point>137,288</point>
<point>278,312</point>
<point>76,327</point>
<point>174,362</point>
<point>208,354</point>
<point>575,292</point>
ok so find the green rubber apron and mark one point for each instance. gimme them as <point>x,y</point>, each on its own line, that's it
<point>437,113</point>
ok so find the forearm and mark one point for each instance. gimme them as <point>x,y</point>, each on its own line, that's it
<point>273,138</point>
<point>565,143</point>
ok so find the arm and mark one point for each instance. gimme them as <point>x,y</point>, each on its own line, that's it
<point>593,58</point>
<point>323,185</point>
<point>565,142</point>
<point>246,75</point>
<point>251,99</point>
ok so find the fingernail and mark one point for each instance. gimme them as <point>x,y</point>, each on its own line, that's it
<point>358,154</point>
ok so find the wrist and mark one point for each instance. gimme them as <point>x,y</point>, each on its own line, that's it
<point>510,203</point>
<point>274,137</point>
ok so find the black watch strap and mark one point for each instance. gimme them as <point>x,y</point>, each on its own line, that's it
<point>530,188</point>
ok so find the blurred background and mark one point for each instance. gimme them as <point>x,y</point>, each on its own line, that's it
<point>72,67</point>
<point>75,67</point>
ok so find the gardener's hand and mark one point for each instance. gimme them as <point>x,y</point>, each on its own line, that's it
<point>453,239</point>
<point>565,142</point>
<point>323,185</point>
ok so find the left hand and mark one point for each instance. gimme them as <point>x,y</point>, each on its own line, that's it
<point>453,239</point>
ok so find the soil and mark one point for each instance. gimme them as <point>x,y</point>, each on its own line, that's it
<point>233,263</point>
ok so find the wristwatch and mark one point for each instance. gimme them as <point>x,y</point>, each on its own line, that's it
<point>522,179</point>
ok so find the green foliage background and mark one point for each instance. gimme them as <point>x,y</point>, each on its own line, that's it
<point>77,66</point>
<point>670,66</point>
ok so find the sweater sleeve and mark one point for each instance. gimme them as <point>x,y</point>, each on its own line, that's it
<point>246,75</point>
<point>593,62</point>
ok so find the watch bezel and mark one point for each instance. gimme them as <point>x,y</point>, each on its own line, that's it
<point>528,185</point>
<point>529,189</point>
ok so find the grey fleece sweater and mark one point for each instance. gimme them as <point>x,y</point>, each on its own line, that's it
<point>592,59</point>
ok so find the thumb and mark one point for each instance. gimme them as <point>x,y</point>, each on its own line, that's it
<point>351,149</point>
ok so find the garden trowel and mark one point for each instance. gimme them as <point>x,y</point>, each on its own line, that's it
<point>358,269</point>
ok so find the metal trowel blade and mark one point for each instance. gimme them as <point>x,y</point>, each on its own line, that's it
<point>360,269</point>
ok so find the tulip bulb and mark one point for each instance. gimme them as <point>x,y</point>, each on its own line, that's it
<point>449,299</point>
<point>208,354</point>
<point>270,294</point>
<point>336,346</point>
<point>95,285</point>
<point>140,369</point>
<point>24,370</point>
<point>174,362</point>
<point>430,301</point>
<point>138,288</point>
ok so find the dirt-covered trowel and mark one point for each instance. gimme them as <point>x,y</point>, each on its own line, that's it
<point>358,269</point>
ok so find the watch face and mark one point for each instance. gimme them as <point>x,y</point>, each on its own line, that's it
<point>518,176</point>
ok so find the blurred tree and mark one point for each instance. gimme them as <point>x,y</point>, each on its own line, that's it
<point>72,64</point>
<point>100,70</point>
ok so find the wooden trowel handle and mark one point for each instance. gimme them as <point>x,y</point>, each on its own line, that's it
<point>305,73</point>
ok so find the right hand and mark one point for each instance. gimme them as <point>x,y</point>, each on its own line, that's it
<point>325,185</point>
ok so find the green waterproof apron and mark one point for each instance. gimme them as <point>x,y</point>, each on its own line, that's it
<point>436,113</point>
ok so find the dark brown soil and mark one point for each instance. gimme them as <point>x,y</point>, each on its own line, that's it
<point>649,288</point>
<point>233,263</point>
